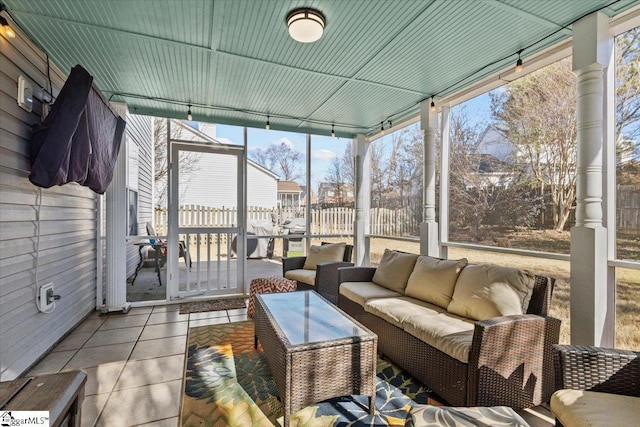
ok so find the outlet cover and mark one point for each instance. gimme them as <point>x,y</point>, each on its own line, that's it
<point>44,304</point>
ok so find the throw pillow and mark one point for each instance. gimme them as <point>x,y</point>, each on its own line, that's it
<point>433,279</point>
<point>486,291</point>
<point>325,253</point>
<point>394,270</point>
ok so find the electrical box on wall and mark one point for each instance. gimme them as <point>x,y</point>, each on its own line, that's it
<point>25,94</point>
<point>46,299</point>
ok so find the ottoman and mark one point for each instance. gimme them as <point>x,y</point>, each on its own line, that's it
<point>267,285</point>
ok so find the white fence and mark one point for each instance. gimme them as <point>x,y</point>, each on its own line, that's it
<point>337,220</point>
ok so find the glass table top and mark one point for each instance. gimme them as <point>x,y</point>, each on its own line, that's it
<point>304,318</point>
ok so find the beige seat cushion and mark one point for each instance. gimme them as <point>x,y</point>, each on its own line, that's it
<point>394,270</point>
<point>433,279</point>
<point>361,292</point>
<point>396,310</point>
<point>304,276</point>
<point>579,408</point>
<point>487,291</point>
<point>446,332</point>
<point>332,252</point>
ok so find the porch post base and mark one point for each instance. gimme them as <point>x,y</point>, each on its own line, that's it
<point>116,309</point>
<point>429,243</point>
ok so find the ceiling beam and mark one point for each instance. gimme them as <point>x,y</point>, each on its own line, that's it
<point>498,4</point>
<point>211,50</point>
<point>19,13</point>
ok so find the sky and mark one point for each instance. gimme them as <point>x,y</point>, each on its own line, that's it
<point>323,148</point>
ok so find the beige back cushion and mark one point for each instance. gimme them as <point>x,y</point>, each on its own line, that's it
<point>433,279</point>
<point>486,291</point>
<point>325,253</point>
<point>394,270</point>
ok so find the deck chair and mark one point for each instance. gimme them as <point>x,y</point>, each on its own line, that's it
<point>183,249</point>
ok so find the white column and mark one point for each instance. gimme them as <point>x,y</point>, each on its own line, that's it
<point>445,115</point>
<point>590,305</point>
<point>362,163</point>
<point>429,242</point>
<point>116,221</point>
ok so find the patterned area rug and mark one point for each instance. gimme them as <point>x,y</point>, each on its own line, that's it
<point>212,305</point>
<point>228,382</point>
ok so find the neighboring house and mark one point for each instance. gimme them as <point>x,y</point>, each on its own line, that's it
<point>492,141</point>
<point>491,172</point>
<point>314,199</point>
<point>290,195</point>
<point>213,181</point>
<point>332,194</point>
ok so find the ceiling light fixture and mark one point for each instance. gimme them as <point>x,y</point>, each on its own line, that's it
<point>333,132</point>
<point>268,126</point>
<point>6,28</point>
<point>382,128</point>
<point>189,115</point>
<point>519,66</point>
<point>306,25</point>
<point>433,105</point>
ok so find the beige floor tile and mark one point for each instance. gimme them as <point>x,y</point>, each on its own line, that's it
<point>124,321</point>
<point>91,407</point>
<point>239,318</point>
<point>74,341</point>
<point>167,317</point>
<point>95,356</point>
<point>90,325</point>
<point>159,347</point>
<point>114,336</point>
<point>53,362</point>
<point>94,314</point>
<point>102,379</point>
<point>140,405</point>
<point>207,315</point>
<point>151,371</point>
<point>207,322</point>
<point>140,310</point>
<point>168,422</point>
<point>165,308</point>
<point>164,330</point>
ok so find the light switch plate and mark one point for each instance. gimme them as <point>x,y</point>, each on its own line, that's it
<point>25,94</point>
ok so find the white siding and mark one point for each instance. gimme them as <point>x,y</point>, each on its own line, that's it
<point>140,132</point>
<point>214,184</point>
<point>67,249</point>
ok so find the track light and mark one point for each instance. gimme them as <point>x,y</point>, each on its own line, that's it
<point>189,115</point>
<point>433,105</point>
<point>6,28</point>
<point>268,126</point>
<point>333,132</point>
<point>519,66</point>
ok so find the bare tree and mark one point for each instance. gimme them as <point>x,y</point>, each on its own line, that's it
<point>483,189</point>
<point>188,160</point>
<point>537,114</point>
<point>280,158</point>
<point>628,84</point>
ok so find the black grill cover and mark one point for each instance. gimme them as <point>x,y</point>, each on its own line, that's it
<point>79,140</point>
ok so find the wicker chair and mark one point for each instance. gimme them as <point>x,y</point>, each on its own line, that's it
<point>326,275</point>
<point>597,386</point>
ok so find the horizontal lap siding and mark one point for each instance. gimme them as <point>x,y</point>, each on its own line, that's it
<point>140,131</point>
<point>67,254</point>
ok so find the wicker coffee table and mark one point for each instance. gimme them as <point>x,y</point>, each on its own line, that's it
<point>315,350</point>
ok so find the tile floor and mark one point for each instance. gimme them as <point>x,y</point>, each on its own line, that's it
<point>134,364</point>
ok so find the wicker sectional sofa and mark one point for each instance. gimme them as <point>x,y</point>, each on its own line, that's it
<point>477,335</point>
